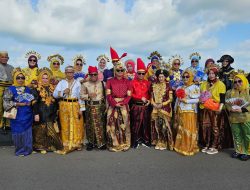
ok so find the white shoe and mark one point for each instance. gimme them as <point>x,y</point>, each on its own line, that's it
<point>204,150</point>
<point>212,151</point>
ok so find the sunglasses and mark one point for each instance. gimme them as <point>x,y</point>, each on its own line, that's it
<point>194,61</point>
<point>32,60</point>
<point>238,81</point>
<point>18,78</point>
<point>93,75</point>
<point>79,64</point>
<point>121,70</point>
<point>141,73</point>
<point>185,77</point>
<point>176,63</point>
<point>56,63</point>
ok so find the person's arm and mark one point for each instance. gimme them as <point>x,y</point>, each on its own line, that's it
<point>110,99</point>
<point>58,92</point>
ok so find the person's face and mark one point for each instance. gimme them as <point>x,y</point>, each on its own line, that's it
<point>237,83</point>
<point>119,72</point>
<point>161,78</point>
<point>114,62</point>
<point>211,75</point>
<point>155,62</point>
<point>102,64</point>
<point>225,63</point>
<point>130,68</point>
<point>194,63</point>
<point>79,65</point>
<point>93,77</point>
<point>56,65</point>
<point>141,75</point>
<point>45,79</point>
<point>4,58</point>
<point>69,74</point>
<point>185,78</point>
<point>20,79</point>
<point>209,64</point>
<point>32,61</point>
<point>176,64</point>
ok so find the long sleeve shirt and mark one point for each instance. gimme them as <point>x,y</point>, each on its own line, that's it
<point>140,89</point>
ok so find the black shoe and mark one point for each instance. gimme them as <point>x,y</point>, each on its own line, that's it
<point>146,144</point>
<point>236,155</point>
<point>90,147</point>
<point>244,157</point>
<point>136,145</point>
<point>103,147</point>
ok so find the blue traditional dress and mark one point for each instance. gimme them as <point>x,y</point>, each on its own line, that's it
<point>21,127</point>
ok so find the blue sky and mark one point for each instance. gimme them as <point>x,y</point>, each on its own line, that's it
<point>137,27</point>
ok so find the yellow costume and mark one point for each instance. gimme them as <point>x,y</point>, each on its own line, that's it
<point>57,73</point>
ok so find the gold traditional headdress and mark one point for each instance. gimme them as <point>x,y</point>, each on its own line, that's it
<point>156,55</point>
<point>33,53</point>
<point>56,57</point>
<point>196,55</point>
<point>77,57</point>
<point>103,56</point>
<point>174,57</point>
<point>45,70</point>
<point>15,70</point>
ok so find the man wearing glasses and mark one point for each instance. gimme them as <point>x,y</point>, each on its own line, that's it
<point>5,81</point>
<point>70,115</point>
<point>140,112</point>
<point>93,92</point>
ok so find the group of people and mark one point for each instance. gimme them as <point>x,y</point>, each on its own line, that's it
<point>129,105</point>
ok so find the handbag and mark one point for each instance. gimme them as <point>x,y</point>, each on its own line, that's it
<point>10,114</point>
<point>211,104</point>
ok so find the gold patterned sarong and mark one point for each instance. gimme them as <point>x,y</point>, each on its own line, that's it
<point>72,130</point>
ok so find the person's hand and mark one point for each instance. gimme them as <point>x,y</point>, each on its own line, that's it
<point>66,91</point>
<point>237,110</point>
<point>144,99</point>
<point>184,100</point>
<point>37,118</point>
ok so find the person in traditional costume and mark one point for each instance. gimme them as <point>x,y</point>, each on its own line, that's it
<point>45,129</point>
<point>186,141</point>
<point>211,103</point>
<point>175,72</point>
<point>118,91</point>
<point>153,66</point>
<point>161,98</point>
<point>140,109</point>
<point>109,73</point>
<point>195,68</point>
<point>237,102</point>
<point>5,81</point>
<point>226,72</point>
<point>70,114</point>
<point>209,62</point>
<point>93,92</point>
<point>31,72</point>
<point>102,63</point>
<point>20,97</point>
<point>55,61</point>
<point>130,67</point>
<point>78,62</point>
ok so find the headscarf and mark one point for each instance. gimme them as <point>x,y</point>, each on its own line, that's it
<point>36,65</point>
<point>245,84</point>
<point>132,63</point>
<point>16,73</point>
<point>42,72</point>
<point>57,73</point>
<point>191,77</point>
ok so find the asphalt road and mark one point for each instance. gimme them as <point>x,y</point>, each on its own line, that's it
<point>143,168</point>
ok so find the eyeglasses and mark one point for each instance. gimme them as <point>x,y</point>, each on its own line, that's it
<point>119,70</point>
<point>56,63</point>
<point>194,61</point>
<point>93,75</point>
<point>177,63</point>
<point>103,62</point>
<point>18,78</point>
<point>70,72</point>
<point>226,61</point>
<point>185,77</point>
<point>32,60</point>
<point>141,73</point>
<point>238,81</point>
<point>79,64</point>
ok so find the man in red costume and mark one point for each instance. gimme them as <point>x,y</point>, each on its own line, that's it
<point>109,73</point>
<point>140,111</point>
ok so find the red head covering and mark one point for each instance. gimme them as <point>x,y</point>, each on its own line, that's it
<point>130,62</point>
<point>92,70</point>
<point>115,56</point>
<point>140,65</point>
